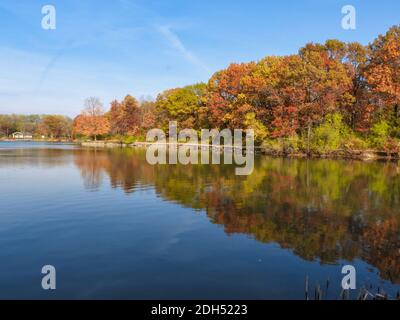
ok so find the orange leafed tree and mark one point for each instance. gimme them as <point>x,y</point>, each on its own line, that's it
<point>383,71</point>
<point>124,116</point>
<point>383,74</point>
<point>224,99</point>
<point>91,122</point>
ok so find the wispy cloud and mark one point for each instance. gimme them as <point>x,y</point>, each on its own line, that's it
<point>178,45</point>
<point>106,36</point>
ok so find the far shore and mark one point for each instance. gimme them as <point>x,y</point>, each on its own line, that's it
<point>364,155</point>
<point>39,140</point>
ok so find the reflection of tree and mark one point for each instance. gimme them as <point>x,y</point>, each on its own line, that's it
<point>382,247</point>
<point>321,209</point>
<point>91,164</point>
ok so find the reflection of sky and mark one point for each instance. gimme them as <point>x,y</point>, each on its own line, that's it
<point>107,244</point>
<point>12,145</point>
<point>111,48</point>
<point>110,244</point>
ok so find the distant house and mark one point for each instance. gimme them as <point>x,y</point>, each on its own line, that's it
<point>21,135</point>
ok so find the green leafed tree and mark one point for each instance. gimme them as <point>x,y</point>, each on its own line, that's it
<point>183,105</point>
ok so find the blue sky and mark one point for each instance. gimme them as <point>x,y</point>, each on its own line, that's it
<point>109,48</point>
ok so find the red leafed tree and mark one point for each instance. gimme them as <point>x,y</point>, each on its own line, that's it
<point>325,80</point>
<point>274,92</point>
<point>224,100</point>
<point>355,104</point>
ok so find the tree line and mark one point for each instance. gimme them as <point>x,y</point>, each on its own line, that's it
<point>50,126</point>
<point>326,97</point>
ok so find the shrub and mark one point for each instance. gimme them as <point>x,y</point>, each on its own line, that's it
<point>292,143</point>
<point>355,143</point>
<point>391,145</point>
<point>272,145</point>
<point>379,134</point>
<point>129,140</point>
<point>330,135</point>
<point>260,131</point>
<point>287,144</point>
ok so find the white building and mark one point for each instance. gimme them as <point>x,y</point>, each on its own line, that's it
<point>21,135</point>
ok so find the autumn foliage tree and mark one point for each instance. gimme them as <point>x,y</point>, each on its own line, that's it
<point>55,126</point>
<point>383,75</point>
<point>325,81</point>
<point>273,92</point>
<point>49,125</point>
<point>92,121</point>
<point>125,116</point>
<point>182,105</point>
<point>281,98</point>
<point>225,96</point>
<point>148,117</point>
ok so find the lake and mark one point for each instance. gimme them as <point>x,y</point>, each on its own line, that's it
<point>116,227</point>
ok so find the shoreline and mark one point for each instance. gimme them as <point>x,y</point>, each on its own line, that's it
<point>39,140</point>
<point>363,155</point>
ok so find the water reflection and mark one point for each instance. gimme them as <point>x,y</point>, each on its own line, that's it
<point>36,157</point>
<point>320,209</point>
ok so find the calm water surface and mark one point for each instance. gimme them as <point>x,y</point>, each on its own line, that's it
<point>116,227</point>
